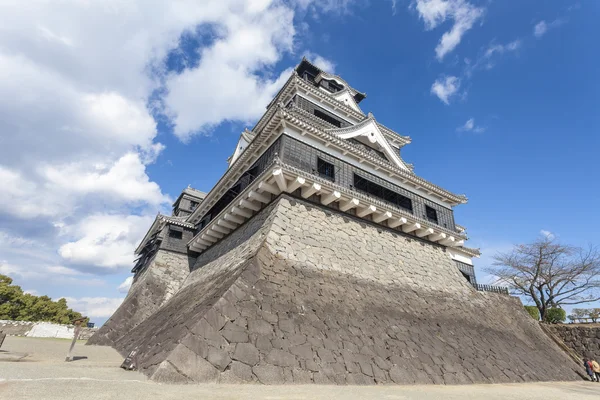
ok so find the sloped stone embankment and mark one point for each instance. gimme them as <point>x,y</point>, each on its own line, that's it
<point>306,295</point>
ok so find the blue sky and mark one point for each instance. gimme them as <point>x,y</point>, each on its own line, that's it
<point>108,111</point>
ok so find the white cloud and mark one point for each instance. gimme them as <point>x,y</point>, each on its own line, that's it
<point>229,82</point>
<point>56,190</point>
<point>470,126</point>
<point>435,12</point>
<point>124,287</point>
<point>542,27</point>
<point>94,307</point>
<point>106,241</point>
<point>489,56</point>
<point>53,275</point>
<point>77,127</point>
<point>547,234</point>
<point>445,88</point>
<point>59,269</point>
<point>126,180</point>
<point>321,62</point>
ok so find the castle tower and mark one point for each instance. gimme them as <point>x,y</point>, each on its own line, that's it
<point>316,143</point>
<point>321,257</point>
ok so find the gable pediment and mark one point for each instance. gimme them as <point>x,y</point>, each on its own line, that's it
<point>369,132</point>
<point>346,97</point>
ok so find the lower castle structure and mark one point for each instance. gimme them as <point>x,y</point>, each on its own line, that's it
<point>320,257</point>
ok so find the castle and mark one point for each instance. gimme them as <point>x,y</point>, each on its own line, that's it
<point>321,257</point>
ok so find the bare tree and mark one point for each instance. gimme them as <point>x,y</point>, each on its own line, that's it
<point>551,274</point>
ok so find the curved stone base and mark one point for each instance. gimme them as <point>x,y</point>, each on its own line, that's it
<point>150,290</point>
<point>306,295</point>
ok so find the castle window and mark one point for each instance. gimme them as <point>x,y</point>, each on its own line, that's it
<point>467,277</point>
<point>373,189</point>
<point>332,86</point>
<point>175,234</point>
<point>327,118</point>
<point>193,205</point>
<point>431,214</point>
<point>326,170</point>
<point>309,77</point>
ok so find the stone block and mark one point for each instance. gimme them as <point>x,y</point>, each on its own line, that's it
<point>235,336</point>
<point>219,358</point>
<point>303,352</point>
<point>268,374</point>
<point>189,364</point>
<point>281,358</point>
<point>260,327</point>
<point>246,353</point>
<point>242,371</point>
<point>301,376</point>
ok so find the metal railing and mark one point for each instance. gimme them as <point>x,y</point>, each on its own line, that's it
<point>490,288</point>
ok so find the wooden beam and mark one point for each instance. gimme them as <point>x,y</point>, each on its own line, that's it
<point>241,212</point>
<point>349,204</point>
<point>382,217</point>
<point>297,183</point>
<point>200,241</point>
<point>215,234</point>
<point>248,204</point>
<point>267,187</point>
<point>437,236</point>
<point>331,197</point>
<point>449,241</point>
<point>208,238</point>
<point>280,179</point>
<point>423,232</point>
<point>198,248</point>
<point>220,229</point>
<point>411,227</point>
<point>259,197</point>
<point>397,222</point>
<point>309,191</point>
<point>363,212</point>
<point>233,218</point>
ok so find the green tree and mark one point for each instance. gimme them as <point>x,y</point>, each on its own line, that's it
<point>534,312</point>
<point>555,315</point>
<point>19,306</point>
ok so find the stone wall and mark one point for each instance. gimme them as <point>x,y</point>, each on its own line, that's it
<point>583,340</point>
<point>151,288</point>
<point>43,330</point>
<point>307,295</point>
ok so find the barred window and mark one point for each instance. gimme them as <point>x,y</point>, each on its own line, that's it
<point>327,118</point>
<point>193,205</point>
<point>326,170</point>
<point>365,185</point>
<point>431,214</point>
<point>175,234</point>
<point>332,86</point>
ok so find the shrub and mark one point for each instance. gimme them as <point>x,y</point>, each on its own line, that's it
<point>555,315</point>
<point>534,312</point>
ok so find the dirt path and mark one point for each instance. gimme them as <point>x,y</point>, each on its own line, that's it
<point>95,375</point>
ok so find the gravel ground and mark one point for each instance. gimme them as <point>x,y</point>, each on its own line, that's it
<point>95,374</point>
